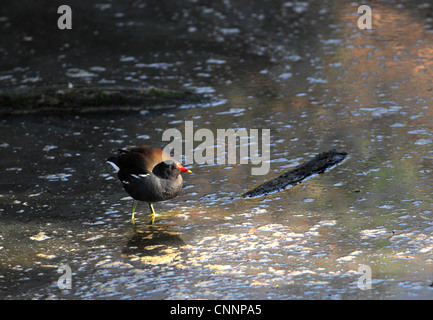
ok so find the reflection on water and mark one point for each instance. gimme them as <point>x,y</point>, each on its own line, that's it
<point>366,92</point>
<point>155,245</point>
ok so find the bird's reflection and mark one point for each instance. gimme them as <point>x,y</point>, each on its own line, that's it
<point>154,244</point>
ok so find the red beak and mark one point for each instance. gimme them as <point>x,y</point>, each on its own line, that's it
<point>182,168</point>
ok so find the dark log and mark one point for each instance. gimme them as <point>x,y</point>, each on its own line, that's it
<point>319,164</point>
<point>60,100</point>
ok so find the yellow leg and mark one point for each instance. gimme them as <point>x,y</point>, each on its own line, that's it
<point>134,206</point>
<point>152,215</point>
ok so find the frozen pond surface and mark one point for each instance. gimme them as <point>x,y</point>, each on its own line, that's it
<point>303,70</point>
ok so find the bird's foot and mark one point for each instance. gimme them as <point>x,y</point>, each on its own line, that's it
<point>152,214</point>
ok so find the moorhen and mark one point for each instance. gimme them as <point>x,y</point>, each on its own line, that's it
<point>148,174</point>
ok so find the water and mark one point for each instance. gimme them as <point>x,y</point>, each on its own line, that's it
<point>315,80</point>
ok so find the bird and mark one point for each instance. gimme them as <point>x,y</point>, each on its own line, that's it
<point>148,174</point>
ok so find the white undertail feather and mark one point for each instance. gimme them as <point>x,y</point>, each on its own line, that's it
<point>114,166</point>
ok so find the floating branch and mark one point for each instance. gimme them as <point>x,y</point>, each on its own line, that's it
<point>319,164</point>
<point>54,100</point>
